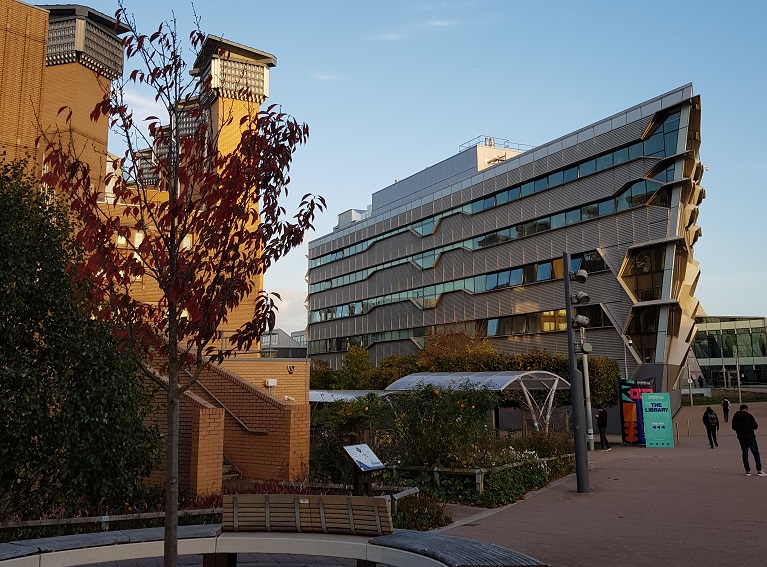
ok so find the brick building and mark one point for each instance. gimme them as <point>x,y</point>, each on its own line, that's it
<point>56,57</point>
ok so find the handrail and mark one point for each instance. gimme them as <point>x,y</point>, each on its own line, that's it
<point>220,403</point>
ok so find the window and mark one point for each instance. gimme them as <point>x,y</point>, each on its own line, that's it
<point>570,174</point>
<point>572,217</point>
<point>556,178</point>
<point>541,184</point>
<point>527,189</point>
<point>590,211</point>
<point>587,167</point>
<point>605,161</point>
<point>558,220</point>
<point>528,273</point>
<point>544,272</point>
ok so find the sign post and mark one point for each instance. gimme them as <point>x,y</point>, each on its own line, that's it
<point>365,461</point>
<point>658,429</point>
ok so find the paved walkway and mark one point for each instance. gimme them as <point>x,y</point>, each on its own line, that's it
<point>689,506</point>
<point>686,506</point>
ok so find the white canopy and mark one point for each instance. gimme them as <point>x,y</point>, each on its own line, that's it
<point>522,380</point>
<point>340,395</point>
<point>494,381</point>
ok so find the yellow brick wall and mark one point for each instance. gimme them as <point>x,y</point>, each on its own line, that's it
<point>256,370</point>
<point>80,89</point>
<point>228,139</point>
<point>207,451</point>
<point>23,36</point>
<point>277,447</point>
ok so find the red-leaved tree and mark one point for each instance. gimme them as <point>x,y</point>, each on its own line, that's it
<point>209,223</point>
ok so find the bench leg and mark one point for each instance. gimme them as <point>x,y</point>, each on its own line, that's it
<point>219,560</point>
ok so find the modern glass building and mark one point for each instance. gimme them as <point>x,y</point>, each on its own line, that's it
<point>727,346</point>
<point>475,244</point>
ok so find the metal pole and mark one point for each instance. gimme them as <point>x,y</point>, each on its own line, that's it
<point>587,392</point>
<point>737,366</point>
<point>576,392</point>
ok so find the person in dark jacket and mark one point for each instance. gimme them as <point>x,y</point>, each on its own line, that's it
<point>711,421</point>
<point>744,425</point>
<point>602,426</point>
<point>726,409</point>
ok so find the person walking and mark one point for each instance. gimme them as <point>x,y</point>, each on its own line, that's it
<point>711,421</point>
<point>725,409</point>
<point>602,426</point>
<point>744,424</point>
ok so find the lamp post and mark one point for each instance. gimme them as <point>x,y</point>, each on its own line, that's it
<point>626,344</point>
<point>576,381</point>
<point>585,349</point>
<point>737,366</point>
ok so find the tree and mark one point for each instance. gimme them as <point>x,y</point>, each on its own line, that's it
<point>356,371</point>
<point>64,386</point>
<point>210,221</point>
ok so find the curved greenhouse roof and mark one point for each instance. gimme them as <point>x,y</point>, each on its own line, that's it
<point>494,381</point>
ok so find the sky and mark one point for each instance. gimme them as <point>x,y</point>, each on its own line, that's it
<point>390,88</point>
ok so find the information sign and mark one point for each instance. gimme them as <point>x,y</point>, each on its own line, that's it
<point>658,429</point>
<point>363,457</point>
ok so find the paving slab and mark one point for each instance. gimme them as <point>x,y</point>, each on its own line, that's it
<point>686,506</point>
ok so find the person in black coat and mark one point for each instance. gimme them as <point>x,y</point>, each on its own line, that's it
<point>744,425</point>
<point>602,426</point>
<point>711,421</point>
<point>726,409</point>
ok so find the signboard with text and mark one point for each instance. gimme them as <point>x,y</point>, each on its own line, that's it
<point>363,457</point>
<point>658,429</point>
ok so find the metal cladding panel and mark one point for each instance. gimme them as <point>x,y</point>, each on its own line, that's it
<point>603,287</point>
<point>614,255</point>
<point>590,231</point>
<point>526,172</point>
<point>640,167</point>
<point>382,350</point>
<point>394,279</point>
<point>570,155</point>
<point>454,307</point>
<point>545,296</point>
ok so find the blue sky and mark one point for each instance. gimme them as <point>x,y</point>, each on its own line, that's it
<point>389,88</point>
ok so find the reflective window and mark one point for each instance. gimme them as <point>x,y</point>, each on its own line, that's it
<point>528,273</point>
<point>605,161</point>
<point>570,174</point>
<point>590,211</point>
<point>558,220</point>
<point>527,189</point>
<point>556,178</point>
<point>541,184</point>
<point>587,167</point>
<point>544,272</point>
<point>620,156</point>
<point>515,277</point>
<point>572,217</point>
<point>606,207</point>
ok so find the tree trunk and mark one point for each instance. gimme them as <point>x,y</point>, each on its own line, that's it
<point>171,458</point>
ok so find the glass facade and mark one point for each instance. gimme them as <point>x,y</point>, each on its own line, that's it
<point>725,346</point>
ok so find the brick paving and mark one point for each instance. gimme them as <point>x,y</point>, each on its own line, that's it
<point>689,506</point>
<point>686,506</point>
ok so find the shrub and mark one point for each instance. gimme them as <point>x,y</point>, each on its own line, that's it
<point>421,512</point>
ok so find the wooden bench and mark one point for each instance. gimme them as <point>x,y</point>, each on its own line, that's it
<point>353,515</point>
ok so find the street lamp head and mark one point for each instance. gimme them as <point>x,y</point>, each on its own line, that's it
<point>629,342</point>
<point>580,276</point>
<point>580,321</point>
<point>580,298</point>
